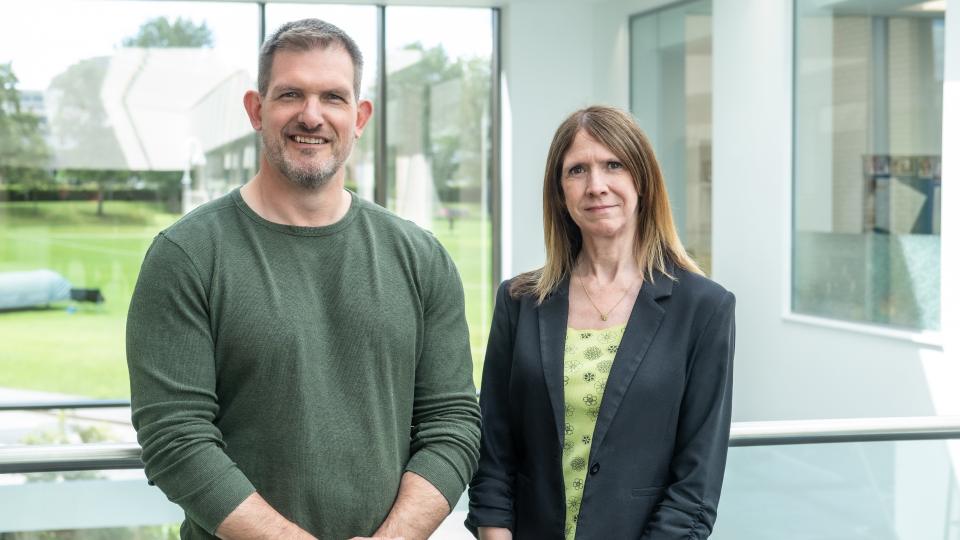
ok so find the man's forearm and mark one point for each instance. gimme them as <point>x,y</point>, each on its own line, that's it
<point>417,512</point>
<point>255,518</point>
<point>495,533</point>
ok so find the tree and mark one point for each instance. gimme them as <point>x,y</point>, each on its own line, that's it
<point>450,138</point>
<point>159,32</point>
<point>87,148</point>
<point>24,154</point>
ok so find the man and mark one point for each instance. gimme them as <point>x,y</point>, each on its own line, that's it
<point>299,358</point>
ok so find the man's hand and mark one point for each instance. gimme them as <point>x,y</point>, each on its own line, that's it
<point>417,512</point>
<point>255,518</point>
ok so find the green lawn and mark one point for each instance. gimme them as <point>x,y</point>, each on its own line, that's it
<point>470,245</point>
<point>82,352</point>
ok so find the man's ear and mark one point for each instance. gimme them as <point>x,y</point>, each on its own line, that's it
<point>364,112</point>
<point>252,103</point>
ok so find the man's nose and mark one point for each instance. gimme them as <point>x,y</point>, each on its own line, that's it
<point>311,115</point>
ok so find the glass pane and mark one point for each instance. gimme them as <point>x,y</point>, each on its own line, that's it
<point>103,122</point>
<point>94,505</point>
<point>871,491</point>
<point>62,426</point>
<point>671,97</point>
<point>360,23</point>
<point>869,108</point>
<point>438,141</point>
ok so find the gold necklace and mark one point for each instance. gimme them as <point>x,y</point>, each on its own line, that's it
<point>603,316</point>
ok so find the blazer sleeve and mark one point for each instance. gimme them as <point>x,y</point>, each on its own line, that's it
<point>491,491</point>
<point>688,509</point>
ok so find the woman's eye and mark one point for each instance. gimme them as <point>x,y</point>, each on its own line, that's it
<point>576,169</point>
<point>615,165</point>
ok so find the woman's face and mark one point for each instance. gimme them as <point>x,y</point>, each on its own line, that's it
<point>598,191</point>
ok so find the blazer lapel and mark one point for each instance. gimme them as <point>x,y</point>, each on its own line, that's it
<point>641,328</point>
<point>553,334</point>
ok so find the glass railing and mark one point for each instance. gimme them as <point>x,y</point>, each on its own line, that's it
<point>902,490</point>
<point>877,478</point>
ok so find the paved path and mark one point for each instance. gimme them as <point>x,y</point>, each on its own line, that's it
<point>16,425</point>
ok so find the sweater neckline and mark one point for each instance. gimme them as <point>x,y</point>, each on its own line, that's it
<point>295,230</point>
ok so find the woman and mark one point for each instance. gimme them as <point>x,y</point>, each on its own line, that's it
<point>607,379</point>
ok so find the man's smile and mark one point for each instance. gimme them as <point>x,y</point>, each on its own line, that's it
<point>309,140</point>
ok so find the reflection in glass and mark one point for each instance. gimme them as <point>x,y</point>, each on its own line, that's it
<point>94,505</point>
<point>119,125</point>
<point>62,426</point>
<point>438,140</point>
<point>869,108</point>
<point>671,51</point>
<point>872,491</point>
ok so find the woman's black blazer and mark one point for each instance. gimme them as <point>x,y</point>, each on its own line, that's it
<point>660,443</point>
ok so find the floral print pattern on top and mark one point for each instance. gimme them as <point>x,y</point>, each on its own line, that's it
<point>588,357</point>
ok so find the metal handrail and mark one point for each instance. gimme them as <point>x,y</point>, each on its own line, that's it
<point>100,456</point>
<point>56,405</point>
<point>845,430</point>
<point>69,457</point>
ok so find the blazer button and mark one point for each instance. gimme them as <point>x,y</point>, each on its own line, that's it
<point>595,469</point>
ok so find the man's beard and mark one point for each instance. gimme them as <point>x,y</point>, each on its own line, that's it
<point>309,176</point>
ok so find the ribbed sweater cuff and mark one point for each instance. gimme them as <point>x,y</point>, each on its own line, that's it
<point>222,487</point>
<point>435,469</point>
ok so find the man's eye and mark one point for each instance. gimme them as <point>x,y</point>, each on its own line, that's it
<point>288,95</point>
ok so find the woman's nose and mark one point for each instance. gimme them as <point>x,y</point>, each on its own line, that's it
<point>596,183</point>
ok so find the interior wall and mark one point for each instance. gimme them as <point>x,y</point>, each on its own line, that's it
<point>546,61</point>
<point>786,369</point>
<point>557,58</point>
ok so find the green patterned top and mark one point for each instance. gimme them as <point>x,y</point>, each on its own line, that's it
<point>588,356</point>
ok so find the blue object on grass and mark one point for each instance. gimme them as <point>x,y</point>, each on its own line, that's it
<point>39,288</point>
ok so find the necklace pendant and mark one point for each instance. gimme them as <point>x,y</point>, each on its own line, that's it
<point>603,317</point>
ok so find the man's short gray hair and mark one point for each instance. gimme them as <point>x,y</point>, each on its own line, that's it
<point>305,35</point>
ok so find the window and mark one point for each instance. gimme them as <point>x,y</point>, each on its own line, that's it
<point>115,118</point>
<point>112,128</point>
<point>868,116</point>
<point>438,141</point>
<point>671,97</point>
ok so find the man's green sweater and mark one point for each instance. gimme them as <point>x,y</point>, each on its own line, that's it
<point>312,364</point>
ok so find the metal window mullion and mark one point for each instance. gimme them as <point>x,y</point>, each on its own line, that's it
<point>262,10</point>
<point>495,150</point>
<point>380,117</point>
